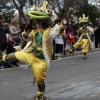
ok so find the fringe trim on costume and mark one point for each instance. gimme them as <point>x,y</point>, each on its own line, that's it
<point>4,58</point>
<point>88,38</point>
<point>45,53</point>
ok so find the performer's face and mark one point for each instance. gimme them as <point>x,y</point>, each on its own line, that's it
<point>84,25</point>
<point>38,26</point>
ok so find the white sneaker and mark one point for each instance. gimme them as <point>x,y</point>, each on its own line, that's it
<point>55,55</point>
<point>60,54</point>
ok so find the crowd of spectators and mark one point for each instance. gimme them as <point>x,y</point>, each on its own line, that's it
<point>11,36</point>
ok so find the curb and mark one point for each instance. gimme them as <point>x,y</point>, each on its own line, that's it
<point>78,53</point>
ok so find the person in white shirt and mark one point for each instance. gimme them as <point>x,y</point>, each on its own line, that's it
<point>59,45</point>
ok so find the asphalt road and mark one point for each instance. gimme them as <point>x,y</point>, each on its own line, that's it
<point>68,79</point>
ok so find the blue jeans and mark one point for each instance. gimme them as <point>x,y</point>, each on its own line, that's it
<point>7,64</point>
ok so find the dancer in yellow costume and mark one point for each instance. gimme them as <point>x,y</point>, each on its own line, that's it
<point>84,39</point>
<point>37,51</point>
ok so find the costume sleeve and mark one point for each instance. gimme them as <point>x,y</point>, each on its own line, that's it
<point>56,30</point>
<point>92,30</point>
<point>80,30</point>
<point>26,36</point>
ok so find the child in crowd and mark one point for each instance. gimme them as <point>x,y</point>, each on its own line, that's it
<point>71,38</point>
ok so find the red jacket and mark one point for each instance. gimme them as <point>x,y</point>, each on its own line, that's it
<point>71,38</point>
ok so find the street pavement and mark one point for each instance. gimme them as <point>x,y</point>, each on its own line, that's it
<point>69,78</point>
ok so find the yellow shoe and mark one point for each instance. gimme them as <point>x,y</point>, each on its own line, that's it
<point>71,51</point>
<point>58,57</point>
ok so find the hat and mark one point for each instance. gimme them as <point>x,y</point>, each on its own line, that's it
<point>40,12</point>
<point>83,19</point>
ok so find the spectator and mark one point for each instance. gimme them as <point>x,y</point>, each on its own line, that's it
<point>16,41</point>
<point>97,37</point>
<point>14,28</point>
<point>58,41</point>
<point>8,35</point>
<point>6,64</point>
<point>2,31</point>
<point>72,38</point>
<point>3,47</point>
<point>10,49</point>
<point>65,39</point>
<point>9,38</point>
<point>59,45</point>
<point>57,21</point>
<point>74,28</point>
<point>96,23</point>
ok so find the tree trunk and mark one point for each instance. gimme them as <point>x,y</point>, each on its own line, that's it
<point>85,2</point>
<point>20,17</point>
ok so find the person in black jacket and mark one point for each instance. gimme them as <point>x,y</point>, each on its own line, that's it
<point>3,42</point>
<point>2,30</point>
<point>97,37</point>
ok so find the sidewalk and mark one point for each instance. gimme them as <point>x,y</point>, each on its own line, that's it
<point>80,52</point>
<point>77,52</point>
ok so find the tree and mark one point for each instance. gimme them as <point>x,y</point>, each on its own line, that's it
<point>8,13</point>
<point>61,8</point>
<point>6,9</point>
<point>89,10</point>
<point>3,3</point>
<point>19,4</point>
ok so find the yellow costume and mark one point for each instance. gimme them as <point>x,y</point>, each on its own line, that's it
<point>37,52</point>
<point>84,39</point>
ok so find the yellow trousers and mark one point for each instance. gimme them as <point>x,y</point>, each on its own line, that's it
<point>39,66</point>
<point>85,45</point>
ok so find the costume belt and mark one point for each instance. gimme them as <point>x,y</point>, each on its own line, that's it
<point>37,51</point>
<point>84,36</point>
